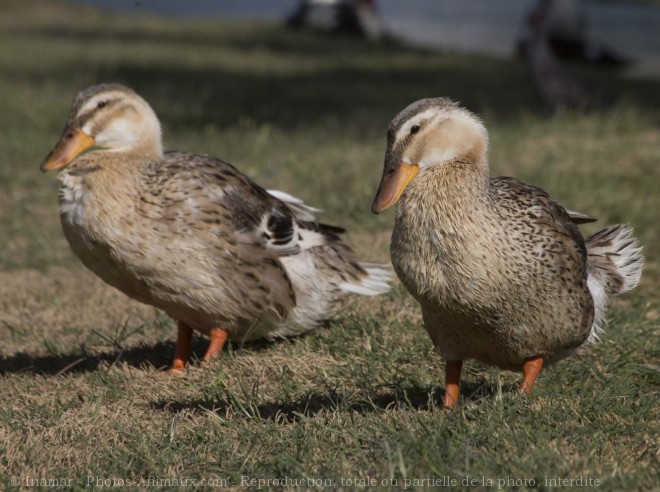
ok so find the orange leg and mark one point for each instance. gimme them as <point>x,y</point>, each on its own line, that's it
<point>531,369</point>
<point>218,338</point>
<point>182,351</point>
<point>452,381</point>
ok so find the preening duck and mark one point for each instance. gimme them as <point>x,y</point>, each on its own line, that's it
<point>192,235</point>
<point>501,271</point>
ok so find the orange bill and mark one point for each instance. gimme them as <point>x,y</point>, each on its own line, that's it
<point>392,185</point>
<point>72,143</point>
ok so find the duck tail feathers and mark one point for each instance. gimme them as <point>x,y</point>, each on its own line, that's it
<point>376,281</point>
<point>614,258</point>
<point>614,266</point>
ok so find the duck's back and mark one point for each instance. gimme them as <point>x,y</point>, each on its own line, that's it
<point>544,242</point>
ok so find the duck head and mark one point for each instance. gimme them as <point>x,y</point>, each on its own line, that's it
<point>107,118</point>
<point>427,134</point>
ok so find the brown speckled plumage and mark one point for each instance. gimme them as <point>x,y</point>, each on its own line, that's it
<point>500,269</point>
<point>191,234</point>
<point>490,285</point>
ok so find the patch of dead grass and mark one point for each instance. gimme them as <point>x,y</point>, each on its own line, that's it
<point>61,305</point>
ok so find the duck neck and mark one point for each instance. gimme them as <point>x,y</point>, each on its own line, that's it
<point>144,149</point>
<point>450,195</point>
<point>107,175</point>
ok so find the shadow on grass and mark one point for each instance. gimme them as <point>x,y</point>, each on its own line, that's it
<point>250,36</point>
<point>421,398</point>
<point>141,356</point>
<point>158,355</point>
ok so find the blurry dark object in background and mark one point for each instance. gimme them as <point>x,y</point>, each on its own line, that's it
<point>556,84</point>
<point>359,17</point>
<point>566,27</point>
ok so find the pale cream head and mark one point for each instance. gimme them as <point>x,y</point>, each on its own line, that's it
<point>107,118</point>
<point>439,134</point>
<point>429,133</point>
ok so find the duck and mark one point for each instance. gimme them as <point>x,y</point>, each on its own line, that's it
<point>559,87</point>
<point>501,271</point>
<point>566,29</point>
<point>192,235</point>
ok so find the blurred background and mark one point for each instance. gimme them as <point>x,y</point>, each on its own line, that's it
<point>474,26</point>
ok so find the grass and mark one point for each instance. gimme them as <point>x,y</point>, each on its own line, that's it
<point>80,364</point>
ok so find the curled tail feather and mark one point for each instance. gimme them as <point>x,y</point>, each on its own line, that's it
<point>376,280</point>
<point>615,259</point>
<point>614,266</point>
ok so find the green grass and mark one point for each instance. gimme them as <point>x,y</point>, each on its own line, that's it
<point>80,365</point>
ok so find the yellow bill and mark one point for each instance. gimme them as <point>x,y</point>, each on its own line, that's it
<point>392,185</point>
<point>72,143</point>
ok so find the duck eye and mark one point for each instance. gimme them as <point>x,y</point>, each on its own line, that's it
<point>101,104</point>
<point>414,129</point>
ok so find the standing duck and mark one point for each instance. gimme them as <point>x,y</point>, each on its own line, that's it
<point>500,269</point>
<point>190,234</point>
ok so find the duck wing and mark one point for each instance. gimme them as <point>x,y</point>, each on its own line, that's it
<point>547,213</point>
<point>241,228</point>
